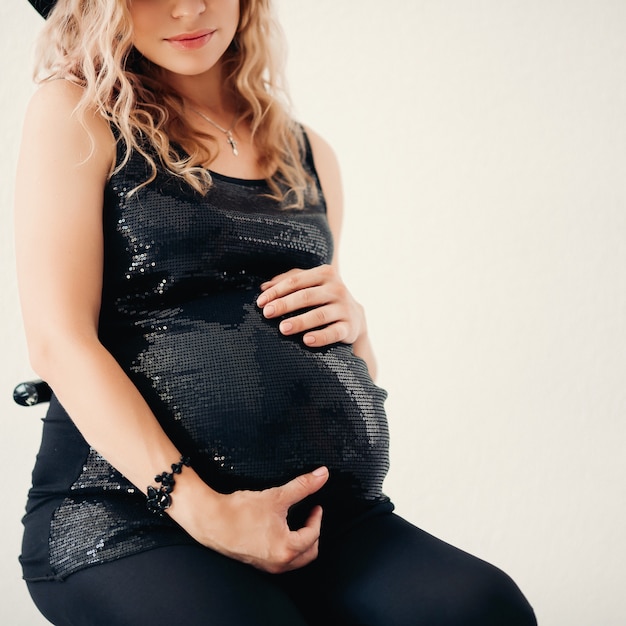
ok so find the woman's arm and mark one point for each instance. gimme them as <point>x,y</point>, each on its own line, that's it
<point>62,172</point>
<point>340,316</point>
<point>60,181</point>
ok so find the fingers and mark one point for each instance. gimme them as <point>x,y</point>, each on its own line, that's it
<point>302,486</point>
<point>313,523</point>
<point>308,536</point>
<point>329,309</point>
<point>304,559</point>
<point>302,545</point>
<point>327,325</point>
<point>335,333</point>
<point>323,325</point>
<point>294,281</point>
<point>278,278</point>
<point>301,299</point>
<point>294,559</point>
<point>254,526</point>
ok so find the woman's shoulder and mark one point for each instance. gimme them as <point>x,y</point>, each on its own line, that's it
<point>61,90</point>
<point>321,149</point>
<point>55,101</point>
<point>53,111</point>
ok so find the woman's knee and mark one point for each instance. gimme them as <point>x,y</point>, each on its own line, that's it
<point>391,573</point>
<point>486,596</point>
<point>478,599</point>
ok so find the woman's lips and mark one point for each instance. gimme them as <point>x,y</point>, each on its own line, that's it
<point>191,41</point>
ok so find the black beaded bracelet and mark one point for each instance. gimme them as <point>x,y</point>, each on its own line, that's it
<point>159,498</point>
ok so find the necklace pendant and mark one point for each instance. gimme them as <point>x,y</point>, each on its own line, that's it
<point>232,142</point>
<point>228,133</point>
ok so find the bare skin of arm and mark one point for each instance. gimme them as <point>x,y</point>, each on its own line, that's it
<point>335,316</point>
<point>59,242</point>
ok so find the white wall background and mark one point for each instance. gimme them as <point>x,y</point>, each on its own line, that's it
<point>483,146</point>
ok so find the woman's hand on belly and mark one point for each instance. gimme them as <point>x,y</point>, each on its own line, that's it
<point>330,313</point>
<point>251,526</point>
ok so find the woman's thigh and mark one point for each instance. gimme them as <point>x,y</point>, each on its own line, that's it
<point>387,572</point>
<point>187,585</point>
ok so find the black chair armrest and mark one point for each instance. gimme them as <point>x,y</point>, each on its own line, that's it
<point>32,392</point>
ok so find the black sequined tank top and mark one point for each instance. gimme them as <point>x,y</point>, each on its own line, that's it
<point>250,407</point>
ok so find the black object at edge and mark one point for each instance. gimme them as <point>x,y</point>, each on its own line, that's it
<point>32,392</point>
<point>43,6</point>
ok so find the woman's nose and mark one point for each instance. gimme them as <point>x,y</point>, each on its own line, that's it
<point>188,8</point>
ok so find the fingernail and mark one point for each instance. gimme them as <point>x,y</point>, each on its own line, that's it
<point>320,471</point>
<point>309,340</point>
<point>262,300</point>
<point>285,327</point>
<point>268,310</point>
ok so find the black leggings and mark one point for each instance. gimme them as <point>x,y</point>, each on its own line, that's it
<point>383,572</point>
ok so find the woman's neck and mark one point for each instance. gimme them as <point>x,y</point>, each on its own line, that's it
<point>205,92</point>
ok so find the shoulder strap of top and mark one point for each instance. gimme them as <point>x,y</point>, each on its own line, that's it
<point>308,160</point>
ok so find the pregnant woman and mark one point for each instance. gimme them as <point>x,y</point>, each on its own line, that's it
<point>215,448</point>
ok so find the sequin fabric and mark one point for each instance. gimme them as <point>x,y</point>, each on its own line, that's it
<point>101,521</point>
<point>250,407</point>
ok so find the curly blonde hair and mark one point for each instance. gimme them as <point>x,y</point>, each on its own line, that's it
<point>90,42</point>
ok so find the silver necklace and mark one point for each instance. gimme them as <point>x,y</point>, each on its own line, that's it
<point>228,132</point>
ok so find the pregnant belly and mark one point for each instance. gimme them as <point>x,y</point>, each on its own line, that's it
<point>253,408</point>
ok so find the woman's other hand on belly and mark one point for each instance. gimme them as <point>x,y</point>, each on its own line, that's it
<point>251,526</point>
<point>329,312</point>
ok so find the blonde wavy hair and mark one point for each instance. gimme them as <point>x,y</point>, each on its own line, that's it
<point>90,43</point>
